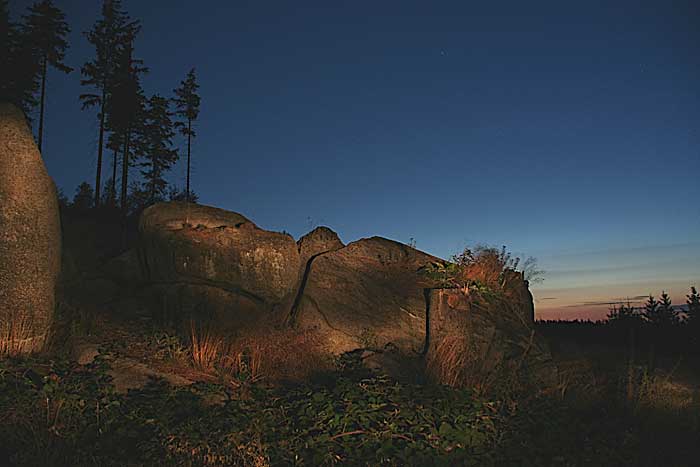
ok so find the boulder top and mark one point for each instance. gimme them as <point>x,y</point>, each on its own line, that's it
<point>176,215</point>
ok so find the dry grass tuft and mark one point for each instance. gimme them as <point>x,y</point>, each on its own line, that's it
<point>206,348</point>
<point>485,266</point>
<point>274,355</point>
<point>455,362</point>
<point>17,337</point>
<point>650,390</point>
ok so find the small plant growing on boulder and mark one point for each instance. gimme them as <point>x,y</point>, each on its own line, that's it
<point>481,272</point>
<point>481,330</point>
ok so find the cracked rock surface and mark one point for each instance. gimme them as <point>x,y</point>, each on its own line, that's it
<point>215,264</point>
<point>367,294</point>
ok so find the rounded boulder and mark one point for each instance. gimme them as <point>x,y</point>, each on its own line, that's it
<point>219,256</point>
<point>30,238</point>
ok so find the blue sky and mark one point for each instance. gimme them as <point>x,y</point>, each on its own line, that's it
<point>569,131</point>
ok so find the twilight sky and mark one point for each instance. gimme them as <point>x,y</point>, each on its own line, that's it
<point>568,131</point>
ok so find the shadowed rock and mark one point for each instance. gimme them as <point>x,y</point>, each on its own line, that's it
<point>30,237</point>
<point>367,294</point>
<point>215,263</point>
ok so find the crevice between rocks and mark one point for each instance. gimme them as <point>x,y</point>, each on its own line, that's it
<point>427,293</point>
<point>291,318</point>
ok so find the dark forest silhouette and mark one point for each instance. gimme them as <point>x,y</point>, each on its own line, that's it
<point>139,130</point>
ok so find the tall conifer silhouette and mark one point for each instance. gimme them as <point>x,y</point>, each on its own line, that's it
<point>187,109</point>
<point>155,147</point>
<point>110,36</point>
<point>126,111</point>
<point>45,30</point>
<point>18,80</point>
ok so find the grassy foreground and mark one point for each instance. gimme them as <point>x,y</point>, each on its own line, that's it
<point>61,413</point>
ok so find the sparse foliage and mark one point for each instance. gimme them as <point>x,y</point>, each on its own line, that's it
<point>483,270</point>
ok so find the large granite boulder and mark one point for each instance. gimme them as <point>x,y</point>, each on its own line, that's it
<point>487,343</point>
<point>208,263</point>
<point>30,238</point>
<point>367,294</point>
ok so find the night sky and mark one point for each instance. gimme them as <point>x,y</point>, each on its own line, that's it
<point>569,131</point>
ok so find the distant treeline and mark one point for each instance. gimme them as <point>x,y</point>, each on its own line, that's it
<point>136,128</point>
<point>658,326</point>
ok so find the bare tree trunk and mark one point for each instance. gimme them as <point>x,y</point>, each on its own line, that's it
<point>98,177</point>
<point>125,171</point>
<point>189,152</point>
<point>41,108</point>
<point>153,183</point>
<point>113,194</point>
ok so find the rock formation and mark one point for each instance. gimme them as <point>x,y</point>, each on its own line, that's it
<point>30,237</point>
<point>367,294</point>
<point>207,263</point>
<point>318,241</point>
<point>493,340</point>
<point>215,264</point>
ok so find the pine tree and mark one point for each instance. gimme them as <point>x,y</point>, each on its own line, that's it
<point>114,143</point>
<point>158,155</point>
<point>651,310</point>
<point>19,78</point>
<point>110,35</point>
<point>624,313</point>
<point>187,109</point>
<point>666,311</point>
<point>126,112</point>
<point>613,314</point>
<point>6,38</point>
<point>175,194</point>
<point>693,302</point>
<point>82,200</point>
<point>45,29</point>
<point>108,195</point>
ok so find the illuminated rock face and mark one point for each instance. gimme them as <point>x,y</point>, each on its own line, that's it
<point>497,339</point>
<point>30,237</point>
<point>217,264</point>
<point>210,264</point>
<point>367,294</point>
<point>318,241</point>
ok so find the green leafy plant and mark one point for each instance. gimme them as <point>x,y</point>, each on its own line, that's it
<point>481,272</point>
